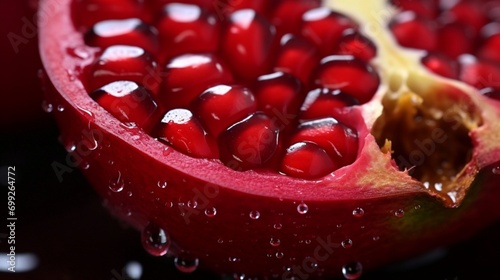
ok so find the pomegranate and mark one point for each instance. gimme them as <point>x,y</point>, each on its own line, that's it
<point>289,140</point>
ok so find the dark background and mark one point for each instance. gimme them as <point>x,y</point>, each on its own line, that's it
<point>65,225</point>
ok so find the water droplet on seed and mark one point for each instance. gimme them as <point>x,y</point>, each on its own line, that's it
<point>352,270</point>
<point>275,242</point>
<point>254,215</point>
<point>155,240</point>
<point>346,243</point>
<point>116,184</point>
<point>302,208</point>
<point>211,212</point>
<point>400,213</point>
<point>358,212</point>
<point>186,265</point>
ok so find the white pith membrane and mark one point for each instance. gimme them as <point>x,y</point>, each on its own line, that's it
<point>430,125</point>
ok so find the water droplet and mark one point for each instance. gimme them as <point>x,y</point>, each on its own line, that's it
<point>116,184</point>
<point>70,147</point>
<point>400,213</point>
<point>234,259</point>
<point>239,276</point>
<point>129,193</point>
<point>352,270</point>
<point>60,108</point>
<point>308,241</point>
<point>162,184</point>
<point>155,240</point>
<point>302,208</point>
<point>192,204</point>
<point>376,238</point>
<point>186,265</point>
<point>85,165</point>
<point>278,226</point>
<point>47,107</point>
<point>275,242</point>
<point>496,170</point>
<point>339,225</point>
<point>110,162</point>
<point>280,255</point>
<point>254,215</point>
<point>346,243</point>
<point>220,240</point>
<point>358,212</point>
<point>211,212</point>
<point>417,207</point>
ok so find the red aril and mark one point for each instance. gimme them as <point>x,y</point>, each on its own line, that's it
<point>131,31</point>
<point>297,56</point>
<point>247,44</point>
<point>413,31</point>
<point>128,102</point>
<point>357,45</point>
<point>349,74</point>
<point>180,129</point>
<point>323,103</point>
<point>307,160</point>
<point>478,73</point>
<point>324,28</point>
<point>120,62</point>
<point>279,96</point>
<point>489,50</point>
<point>455,39</point>
<point>441,65</point>
<point>222,106</point>
<point>250,143</point>
<point>413,143</point>
<point>287,15</point>
<point>469,13</point>
<point>178,89</point>
<point>425,8</point>
<point>186,28</point>
<point>89,12</point>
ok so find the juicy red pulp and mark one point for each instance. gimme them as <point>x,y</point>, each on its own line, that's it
<point>245,86</point>
<point>462,38</point>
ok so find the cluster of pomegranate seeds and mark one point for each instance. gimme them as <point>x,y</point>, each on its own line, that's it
<point>462,38</point>
<point>258,85</point>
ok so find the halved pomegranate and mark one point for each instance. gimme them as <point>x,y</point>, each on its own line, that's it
<point>305,142</point>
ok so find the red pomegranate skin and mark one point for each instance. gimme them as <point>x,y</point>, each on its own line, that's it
<point>313,217</point>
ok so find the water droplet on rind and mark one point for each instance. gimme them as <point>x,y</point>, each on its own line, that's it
<point>186,265</point>
<point>400,213</point>
<point>358,212</point>
<point>60,108</point>
<point>117,184</point>
<point>254,215</point>
<point>275,242</point>
<point>352,270</point>
<point>47,107</point>
<point>155,240</point>
<point>346,243</point>
<point>279,255</point>
<point>496,170</point>
<point>162,184</point>
<point>211,212</point>
<point>302,208</point>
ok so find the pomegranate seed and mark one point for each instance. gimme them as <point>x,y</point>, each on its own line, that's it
<point>125,63</point>
<point>247,44</point>
<point>90,12</point>
<point>491,93</point>
<point>353,43</point>
<point>416,32</point>
<point>187,28</point>
<point>187,76</point>
<point>480,74</point>
<point>221,106</point>
<point>323,103</point>
<point>287,16</point>
<point>180,129</point>
<point>307,160</point>
<point>424,8</point>
<point>297,57</point>
<point>455,39</point>
<point>131,31</point>
<point>491,45</point>
<point>325,27</point>
<point>279,97</point>
<point>157,5</point>
<point>338,140</point>
<point>351,75</point>
<point>128,102</point>
<point>250,143</point>
<point>441,65</point>
<point>225,7</point>
<point>469,13</point>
